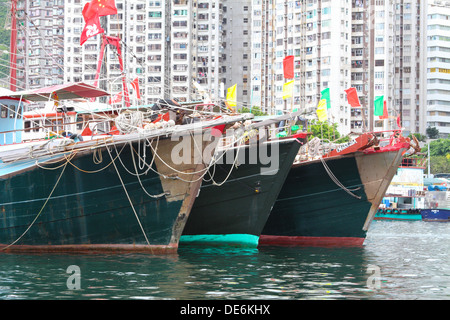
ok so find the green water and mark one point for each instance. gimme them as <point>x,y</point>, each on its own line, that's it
<point>400,260</point>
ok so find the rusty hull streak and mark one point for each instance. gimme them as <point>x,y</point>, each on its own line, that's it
<point>177,189</point>
<point>91,248</point>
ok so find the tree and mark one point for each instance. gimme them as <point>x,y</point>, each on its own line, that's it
<point>420,137</point>
<point>439,155</point>
<point>323,130</point>
<point>432,133</point>
<point>256,111</point>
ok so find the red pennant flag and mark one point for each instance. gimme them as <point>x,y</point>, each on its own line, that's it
<point>385,112</point>
<point>92,28</point>
<point>288,67</point>
<point>87,132</point>
<point>352,97</point>
<point>135,85</point>
<point>398,122</point>
<point>102,7</point>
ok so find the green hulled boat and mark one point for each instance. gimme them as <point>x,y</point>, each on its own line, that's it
<point>113,193</point>
<point>238,194</point>
<point>332,200</point>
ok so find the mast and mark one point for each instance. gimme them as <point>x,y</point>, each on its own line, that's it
<point>114,41</point>
<point>13,48</point>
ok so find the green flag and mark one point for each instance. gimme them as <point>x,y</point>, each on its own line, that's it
<point>379,101</point>
<point>326,96</point>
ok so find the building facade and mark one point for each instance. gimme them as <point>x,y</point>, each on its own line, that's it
<point>40,43</point>
<point>409,53</point>
<point>195,49</point>
<point>438,67</point>
<point>171,46</point>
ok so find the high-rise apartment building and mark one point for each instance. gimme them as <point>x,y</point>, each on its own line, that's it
<point>372,62</point>
<point>184,48</point>
<point>409,54</point>
<point>236,51</point>
<point>438,66</point>
<point>376,46</point>
<point>40,43</point>
<point>168,44</point>
<point>318,35</point>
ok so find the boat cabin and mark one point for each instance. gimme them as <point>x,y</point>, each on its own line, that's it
<point>11,122</point>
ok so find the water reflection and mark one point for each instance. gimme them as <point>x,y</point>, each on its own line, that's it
<point>412,259</point>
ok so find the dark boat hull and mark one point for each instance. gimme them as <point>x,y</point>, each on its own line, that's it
<point>236,212</point>
<point>95,207</point>
<point>313,210</point>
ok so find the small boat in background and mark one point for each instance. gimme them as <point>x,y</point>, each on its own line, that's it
<point>405,197</point>
<point>437,206</point>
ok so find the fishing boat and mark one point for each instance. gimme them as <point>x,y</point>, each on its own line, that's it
<point>405,196</point>
<point>437,206</point>
<point>238,193</point>
<point>123,192</point>
<point>331,200</point>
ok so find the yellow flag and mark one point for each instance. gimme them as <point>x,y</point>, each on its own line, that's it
<point>322,110</point>
<point>288,87</point>
<point>231,96</point>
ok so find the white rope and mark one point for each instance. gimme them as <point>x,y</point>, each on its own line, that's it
<point>42,209</point>
<point>128,196</point>
<point>337,182</point>
<point>139,179</point>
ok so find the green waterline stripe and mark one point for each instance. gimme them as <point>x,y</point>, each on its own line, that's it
<point>247,240</point>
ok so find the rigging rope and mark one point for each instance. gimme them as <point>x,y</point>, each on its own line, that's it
<point>42,209</point>
<point>129,199</point>
<point>337,182</point>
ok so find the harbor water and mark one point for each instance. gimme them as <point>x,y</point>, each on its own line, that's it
<point>400,260</point>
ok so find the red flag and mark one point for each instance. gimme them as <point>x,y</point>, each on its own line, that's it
<point>352,97</point>
<point>91,13</point>
<point>87,132</point>
<point>398,122</point>
<point>288,67</point>
<point>135,85</point>
<point>165,117</point>
<point>102,7</point>
<point>92,28</point>
<point>385,112</point>
<point>116,99</point>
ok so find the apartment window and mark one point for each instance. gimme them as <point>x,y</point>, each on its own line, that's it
<point>179,78</point>
<point>155,14</point>
<point>181,24</point>
<point>180,13</point>
<point>155,68</point>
